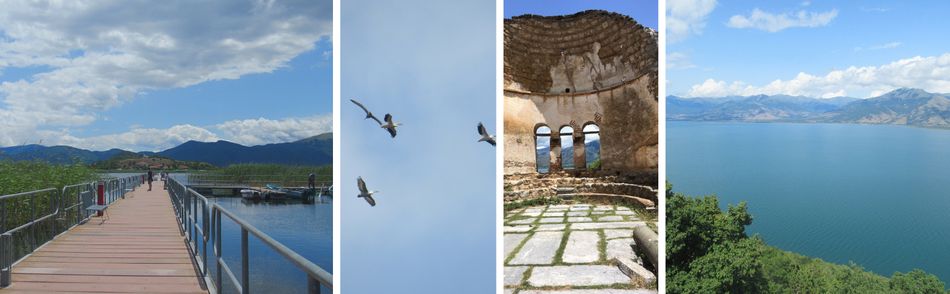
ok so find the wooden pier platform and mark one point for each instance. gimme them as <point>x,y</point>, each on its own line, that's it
<point>139,249</point>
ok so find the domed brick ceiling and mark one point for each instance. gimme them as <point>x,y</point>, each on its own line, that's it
<point>584,52</point>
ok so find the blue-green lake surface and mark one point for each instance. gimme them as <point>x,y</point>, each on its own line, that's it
<point>877,195</point>
<point>307,229</point>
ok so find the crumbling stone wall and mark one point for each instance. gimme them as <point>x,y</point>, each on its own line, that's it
<point>590,67</point>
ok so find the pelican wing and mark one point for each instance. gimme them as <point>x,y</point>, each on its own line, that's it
<point>368,113</point>
<point>370,200</point>
<point>491,141</point>
<point>392,132</point>
<point>481,129</point>
<point>362,185</point>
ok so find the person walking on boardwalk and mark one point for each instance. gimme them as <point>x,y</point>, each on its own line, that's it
<point>150,175</point>
<point>312,181</point>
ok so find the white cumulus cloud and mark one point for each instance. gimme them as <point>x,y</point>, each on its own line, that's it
<point>136,139</point>
<point>263,131</point>
<point>686,17</point>
<point>772,22</point>
<point>248,132</point>
<point>96,55</point>
<point>931,73</point>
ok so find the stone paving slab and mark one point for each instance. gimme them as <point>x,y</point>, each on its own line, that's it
<point>581,247</point>
<point>635,270</point>
<point>514,275</point>
<point>539,249</point>
<point>577,219</point>
<point>552,227</point>
<point>613,234</point>
<point>620,248</point>
<point>577,275</point>
<point>590,291</point>
<point>614,225</point>
<point>579,228</point>
<point>516,229</point>
<point>548,220</point>
<point>512,241</point>
<point>610,218</point>
<point>522,221</point>
<point>532,213</point>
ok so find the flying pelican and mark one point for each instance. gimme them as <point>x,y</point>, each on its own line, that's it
<point>485,135</point>
<point>364,193</point>
<point>390,125</point>
<point>368,114</point>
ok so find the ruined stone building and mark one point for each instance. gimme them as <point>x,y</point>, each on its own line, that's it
<point>580,102</point>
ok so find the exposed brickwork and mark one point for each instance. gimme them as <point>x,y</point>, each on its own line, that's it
<point>534,45</point>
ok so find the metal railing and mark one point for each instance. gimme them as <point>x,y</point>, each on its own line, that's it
<point>200,222</point>
<point>50,213</point>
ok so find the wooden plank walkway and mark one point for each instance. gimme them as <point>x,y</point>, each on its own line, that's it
<point>138,250</point>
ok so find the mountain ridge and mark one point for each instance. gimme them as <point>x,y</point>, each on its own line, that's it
<point>315,150</point>
<point>903,106</point>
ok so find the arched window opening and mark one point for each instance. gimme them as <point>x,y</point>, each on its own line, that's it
<point>542,139</point>
<point>566,135</point>
<point>592,146</point>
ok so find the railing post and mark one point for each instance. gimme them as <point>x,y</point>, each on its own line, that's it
<point>245,272</point>
<point>204,242</point>
<point>313,286</point>
<point>217,246</point>
<point>6,259</point>
<point>33,218</point>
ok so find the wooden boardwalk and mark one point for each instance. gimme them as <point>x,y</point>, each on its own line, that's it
<point>138,250</point>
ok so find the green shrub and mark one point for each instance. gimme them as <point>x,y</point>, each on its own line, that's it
<point>708,251</point>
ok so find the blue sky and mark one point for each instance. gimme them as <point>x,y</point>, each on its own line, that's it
<point>433,68</point>
<point>644,12</point>
<point>813,48</point>
<point>137,76</point>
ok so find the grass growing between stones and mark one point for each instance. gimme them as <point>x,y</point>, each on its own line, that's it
<point>551,200</point>
<point>602,244</point>
<point>559,254</point>
<point>623,286</point>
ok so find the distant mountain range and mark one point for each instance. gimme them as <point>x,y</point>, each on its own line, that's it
<point>903,106</point>
<point>316,150</point>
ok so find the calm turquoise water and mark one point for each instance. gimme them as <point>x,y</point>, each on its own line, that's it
<point>877,195</point>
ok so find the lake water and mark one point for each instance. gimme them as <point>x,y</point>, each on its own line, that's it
<point>877,195</point>
<point>304,228</point>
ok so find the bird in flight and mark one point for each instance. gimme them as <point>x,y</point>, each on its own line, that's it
<point>368,114</point>
<point>390,126</point>
<point>365,193</point>
<point>485,135</point>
